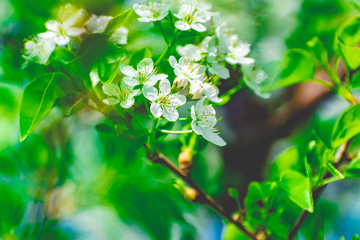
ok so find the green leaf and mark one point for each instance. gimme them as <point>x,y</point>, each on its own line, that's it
<point>291,158</point>
<point>336,173</point>
<point>318,50</point>
<point>347,126</point>
<point>117,22</point>
<point>297,66</point>
<point>346,40</point>
<point>298,188</point>
<point>139,55</point>
<point>353,170</point>
<point>356,4</point>
<point>355,80</point>
<point>105,79</point>
<point>38,100</point>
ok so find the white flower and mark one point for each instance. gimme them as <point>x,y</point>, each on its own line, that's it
<point>216,56</point>
<point>198,88</point>
<point>204,121</point>
<point>39,50</point>
<point>124,95</point>
<point>238,52</point>
<point>145,73</point>
<point>97,24</point>
<point>70,24</point>
<point>185,69</point>
<point>120,36</point>
<point>151,11</point>
<point>192,16</point>
<point>191,51</point>
<point>162,102</point>
<point>254,78</point>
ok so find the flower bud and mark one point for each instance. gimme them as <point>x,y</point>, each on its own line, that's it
<point>185,161</point>
<point>191,194</point>
<point>196,90</point>
<point>179,84</point>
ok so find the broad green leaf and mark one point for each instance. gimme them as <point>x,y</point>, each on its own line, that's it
<point>347,126</point>
<point>353,170</point>
<point>38,100</point>
<point>297,66</point>
<point>291,158</point>
<point>347,38</point>
<point>117,22</point>
<point>298,188</point>
<point>140,55</point>
<point>355,80</point>
<point>318,50</point>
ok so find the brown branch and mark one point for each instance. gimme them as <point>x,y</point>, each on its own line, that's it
<point>201,197</point>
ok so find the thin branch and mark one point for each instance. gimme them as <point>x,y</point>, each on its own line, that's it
<point>202,197</point>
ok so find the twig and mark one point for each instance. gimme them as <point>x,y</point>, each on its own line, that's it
<point>202,197</point>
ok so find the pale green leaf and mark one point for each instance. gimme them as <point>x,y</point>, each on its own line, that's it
<point>347,126</point>
<point>38,100</point>
<point>298,188</point>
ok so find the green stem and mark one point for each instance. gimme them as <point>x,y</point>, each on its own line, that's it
<point>176,132</point>
<point>324,83</point>
<point>166,51</point>
<point>163,32</point>
<point>153,135</point>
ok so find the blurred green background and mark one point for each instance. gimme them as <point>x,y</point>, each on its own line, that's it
<point>72,179</point>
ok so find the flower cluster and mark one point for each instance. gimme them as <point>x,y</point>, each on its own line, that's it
<point>190,15</point>
<point>191,89</point>
<point>71,23</point>
<point>190,83</point>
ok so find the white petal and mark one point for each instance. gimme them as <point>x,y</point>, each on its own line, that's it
<point>128,70</point>
<point>211,92</point>
<point>74,31</point>
<point>145,19</point>
<point>111,101</point>
<point>172,61</point>
<point>198,27</point>
<point>130,81</point>
<point>111,90</point>
<point>62,40</point>
<point>127,103</point>
<point>164,87</point>
<point>220,70</point>
<point>246,61</point>
<point>146,65</point>
<point>156,110</point>
<point>52,25</point>
<point>47,35</point>
<point>177,100</point>
<point>154,79</point>
<point>150,93</point>
<point>94,76</point>
<point>171,114</point>
<point>213,137</point>
<point>196,128</point>
<point>182,25</point>
<point>136,92</point>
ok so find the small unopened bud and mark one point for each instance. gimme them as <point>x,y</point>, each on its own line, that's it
<point>260,235</point>
<point>191,194</point>
<point>196,90</point>
<point>236,217</point>
<point>185,161</point>
<point>179,84</point>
